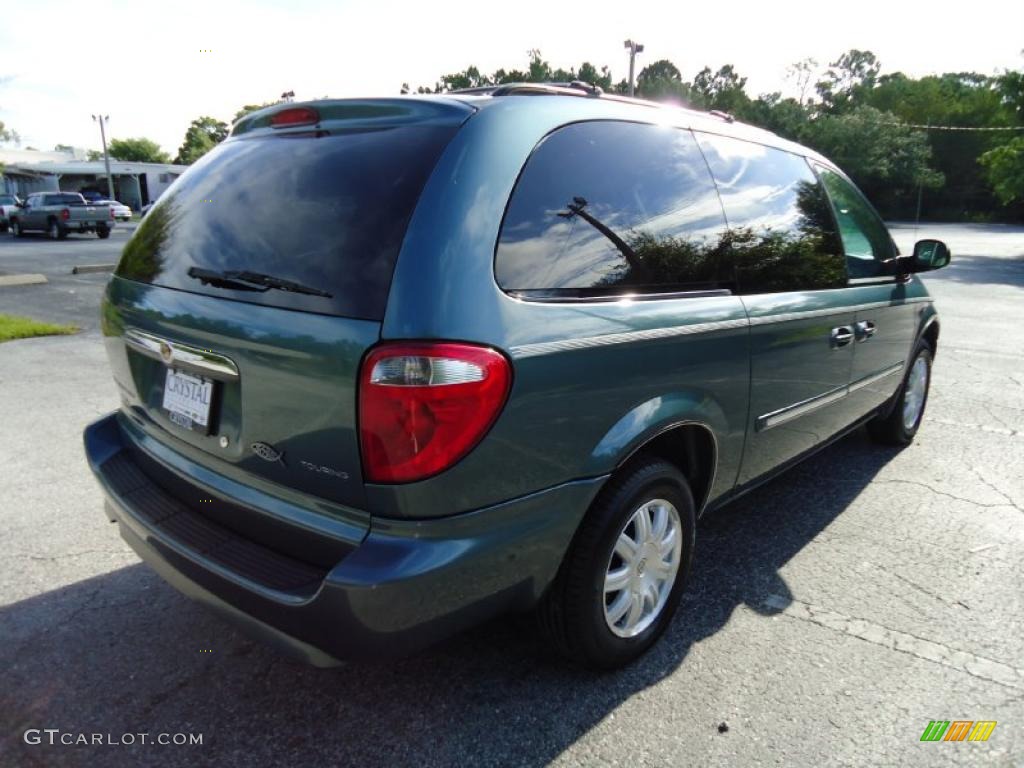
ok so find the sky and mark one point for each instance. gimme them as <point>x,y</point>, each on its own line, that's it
<point>153,66</point>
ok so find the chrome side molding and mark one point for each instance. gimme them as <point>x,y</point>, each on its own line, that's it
<point>796,410</point>
<point>185,357</point>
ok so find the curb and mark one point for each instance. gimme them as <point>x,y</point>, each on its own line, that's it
<point>30,279</point>
<point>82,269</point>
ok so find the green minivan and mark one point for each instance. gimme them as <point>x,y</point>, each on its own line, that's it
<point>390,367</point>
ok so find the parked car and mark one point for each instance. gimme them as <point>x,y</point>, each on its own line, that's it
<point>8,205</point>
<point>121,211</point>
<point>92,195</point>
<point>146,209</point>
<point>539,332</point>
<point>60,213</point>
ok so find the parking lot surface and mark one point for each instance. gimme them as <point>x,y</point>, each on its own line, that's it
<point>832,613</point>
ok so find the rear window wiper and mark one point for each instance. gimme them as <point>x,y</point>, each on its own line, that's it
<point>242,280</point>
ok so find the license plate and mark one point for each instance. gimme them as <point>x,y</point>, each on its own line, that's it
<point>187,399</point>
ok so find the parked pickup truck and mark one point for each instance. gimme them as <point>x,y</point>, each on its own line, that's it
<point>58,213</point>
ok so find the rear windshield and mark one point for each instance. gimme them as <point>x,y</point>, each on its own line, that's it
<point>65,198</point>
<point>327,212</point>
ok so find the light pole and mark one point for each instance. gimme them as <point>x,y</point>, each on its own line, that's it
<point>101,119</point>
<point>634,49</point>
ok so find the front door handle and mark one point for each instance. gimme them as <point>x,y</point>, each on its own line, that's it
<point>864,329</point>
<point>840,336</point>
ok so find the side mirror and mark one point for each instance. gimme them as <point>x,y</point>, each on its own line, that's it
<point>929,255</point>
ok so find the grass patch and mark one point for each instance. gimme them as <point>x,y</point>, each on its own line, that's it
<point>14,327</point>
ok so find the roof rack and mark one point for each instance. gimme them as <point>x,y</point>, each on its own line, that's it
<point>576,88</point>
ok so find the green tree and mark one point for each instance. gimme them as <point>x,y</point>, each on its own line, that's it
<point>137,150</point>
<point>7,135</point>
<point>662,81</point>
<point>959,99</point>
<point>887,159</point>
<point>588,73</point>
<point>203,135</point>
<point>847,78</point>
<point>802,73</point>
<point>786,117</point>
<point>1011,89</point>
<point>1004,167</point>
<point>722,90</point>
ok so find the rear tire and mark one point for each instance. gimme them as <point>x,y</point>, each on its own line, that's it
<point>102,232</point>
<point>582,612</point>
<point>55,230</point>
<point>900,425</point>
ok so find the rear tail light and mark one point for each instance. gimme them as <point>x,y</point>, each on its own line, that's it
<point>65,214</point>
<point>422,407</point>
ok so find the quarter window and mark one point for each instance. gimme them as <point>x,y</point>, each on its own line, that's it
<point>869,248</point>
<point>605,208</point>
<point>782,236</point>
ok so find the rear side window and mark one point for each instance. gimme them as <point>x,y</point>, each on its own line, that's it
<point>604,208</point>
<point>326,212</point>
<point>63,199</point>
<point>782,234</point>
<point>869,248</point>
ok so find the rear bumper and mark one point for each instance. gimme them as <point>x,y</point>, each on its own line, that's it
<point>403,586</point>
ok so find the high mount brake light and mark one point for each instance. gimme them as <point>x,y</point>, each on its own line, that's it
<point>422,407</point>
<point>294,116</point>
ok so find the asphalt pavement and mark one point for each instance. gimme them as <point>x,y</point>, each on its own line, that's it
<point>832,613</point>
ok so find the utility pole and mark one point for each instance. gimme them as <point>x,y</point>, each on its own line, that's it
<point>634,49</point>
<point>101,119</point>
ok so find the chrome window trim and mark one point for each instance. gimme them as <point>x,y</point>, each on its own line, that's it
<point>537,349</point>
<point>521,295</point>
<point>185,357</point>
<point>790,412</point>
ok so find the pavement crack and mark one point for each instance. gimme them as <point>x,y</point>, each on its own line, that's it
<point>971,664</point>
<point>68,555</point>
<point>918,587</point>
<point>946,494</point>
<point>995,490</point>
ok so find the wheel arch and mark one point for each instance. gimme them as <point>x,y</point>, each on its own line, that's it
<point>682,428</point>
<point>692,448</point>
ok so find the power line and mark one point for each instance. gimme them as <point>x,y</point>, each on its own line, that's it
<point>957,127</point>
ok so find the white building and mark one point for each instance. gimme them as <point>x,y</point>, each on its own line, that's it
<point>27,170</point>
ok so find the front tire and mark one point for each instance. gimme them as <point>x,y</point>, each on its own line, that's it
<point>623,577</point>
<point>900,425</point>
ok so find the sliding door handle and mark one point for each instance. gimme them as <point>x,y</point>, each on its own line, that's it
<point>864,329</point>
<point>840,336</point>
